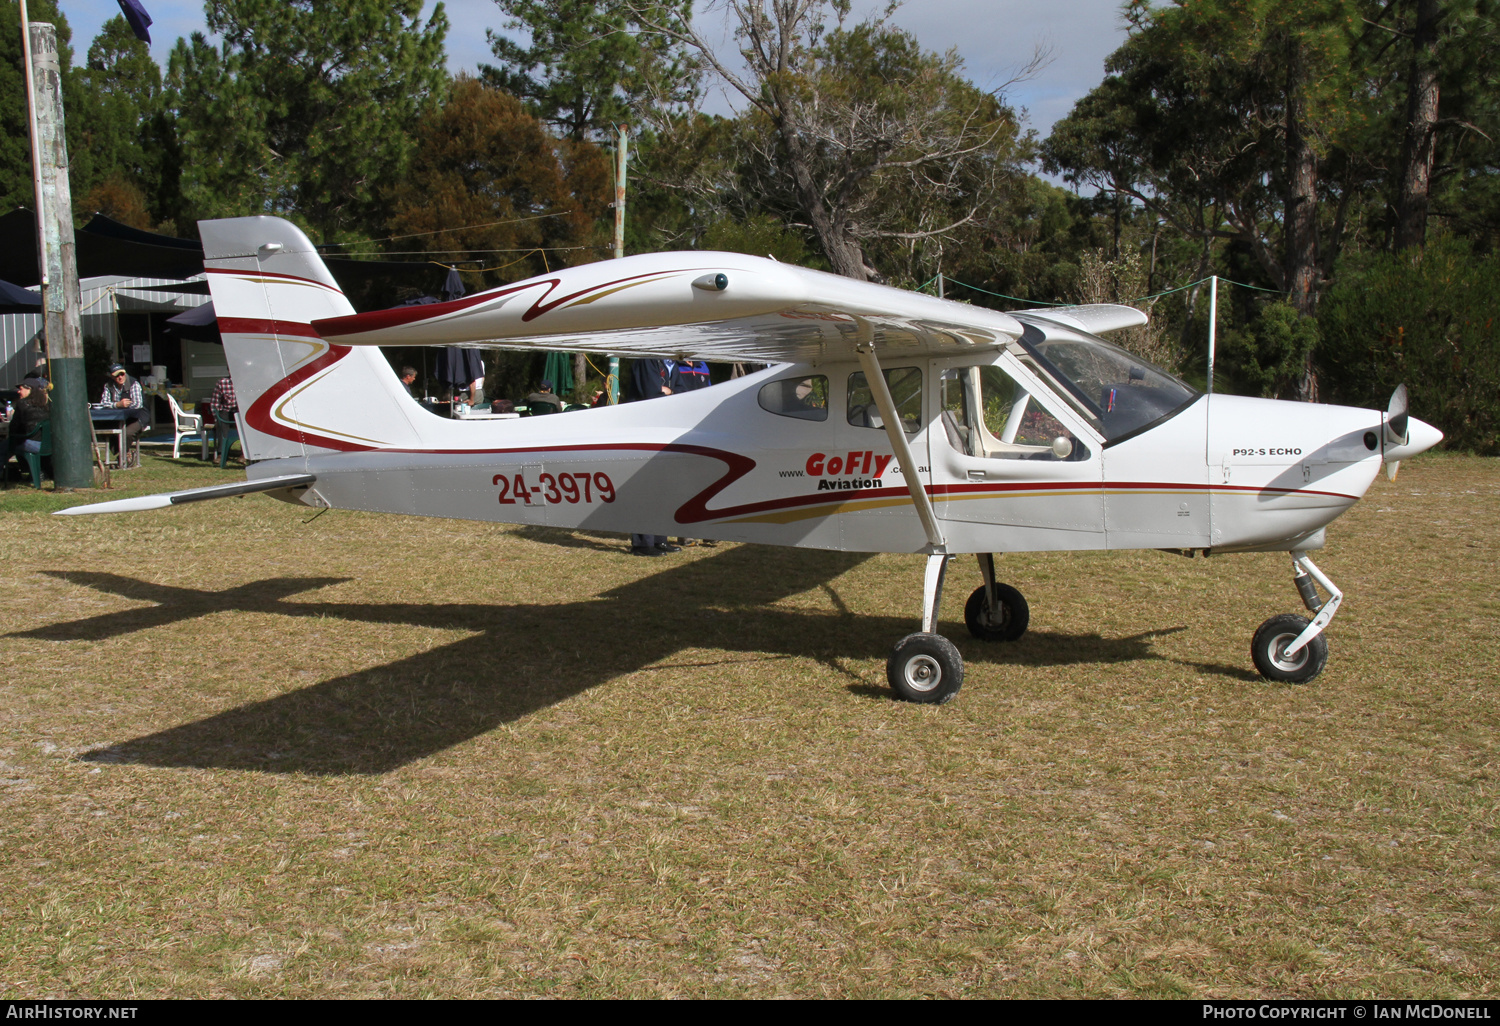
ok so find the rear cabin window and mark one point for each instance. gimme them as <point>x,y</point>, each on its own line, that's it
<point>803,398</point>
<point>905,384</point>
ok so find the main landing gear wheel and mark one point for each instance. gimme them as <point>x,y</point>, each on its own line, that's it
<point>925,668</point>
<point>1006,622</point>
<point>1268,649</point>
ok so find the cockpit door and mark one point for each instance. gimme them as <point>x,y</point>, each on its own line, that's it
<point>1012,467</point>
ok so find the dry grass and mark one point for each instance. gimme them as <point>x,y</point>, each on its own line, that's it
<point>241,755</point>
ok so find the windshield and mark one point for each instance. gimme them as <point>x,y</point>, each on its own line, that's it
<point>1120,392</point>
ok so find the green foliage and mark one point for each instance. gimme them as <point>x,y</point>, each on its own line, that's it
<point>1268,355</point>
<point>589,65</point>
<point>16,186</point>
<point>1124,280</point>
<point>1223,118</point>
<point>882,150</point>
<point>1429,322</point>
<point>307,109</point>
<point>118,168</point>
<point>758,235</point>
<point>487,181</point>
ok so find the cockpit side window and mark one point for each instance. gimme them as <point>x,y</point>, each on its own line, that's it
<point>989,414</point>
<point>905,384</point>
<point>804,398</point>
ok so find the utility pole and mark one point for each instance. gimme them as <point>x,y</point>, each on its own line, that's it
<point>71,458</point>
<point>622,156</point>
<point>1213,326</point>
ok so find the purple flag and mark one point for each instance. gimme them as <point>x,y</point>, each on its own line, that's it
<point>139,20</point>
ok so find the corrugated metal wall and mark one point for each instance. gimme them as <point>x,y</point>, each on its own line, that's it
<point>102,299</point>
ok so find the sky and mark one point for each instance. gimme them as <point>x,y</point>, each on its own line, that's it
<point>994,38</point>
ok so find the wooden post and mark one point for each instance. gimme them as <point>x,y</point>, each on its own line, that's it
<point>622,156</point>
<point>71,456</point>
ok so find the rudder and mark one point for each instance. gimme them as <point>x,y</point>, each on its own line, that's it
<point>298,395</point>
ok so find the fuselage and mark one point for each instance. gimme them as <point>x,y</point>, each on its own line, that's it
<point>1008,463</point>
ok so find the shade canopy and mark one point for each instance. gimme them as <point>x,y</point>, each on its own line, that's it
<point>105,246</point>
<point>199,324</point>
<point>14,299</point>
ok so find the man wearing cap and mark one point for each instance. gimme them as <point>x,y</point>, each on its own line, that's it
<point>544,397</point>
<point>122,392</point>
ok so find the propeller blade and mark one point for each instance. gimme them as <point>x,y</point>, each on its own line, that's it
<point>1396,415</point>
<point>1392,469</point>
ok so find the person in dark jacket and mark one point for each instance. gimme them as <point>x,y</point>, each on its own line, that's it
<point>650,379</point>
<point>32,410</point>
<point>689,376</point>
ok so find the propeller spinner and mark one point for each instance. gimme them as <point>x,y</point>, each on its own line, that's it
<point>1404,435</point>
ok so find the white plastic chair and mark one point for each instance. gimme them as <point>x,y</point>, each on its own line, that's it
<point>183,424</point>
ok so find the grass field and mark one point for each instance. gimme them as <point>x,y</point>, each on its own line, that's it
<point>243,754</point>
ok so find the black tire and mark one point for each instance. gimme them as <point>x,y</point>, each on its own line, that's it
<point>1275,635</point>
<point>1007,623</point>
<point>925,668</point>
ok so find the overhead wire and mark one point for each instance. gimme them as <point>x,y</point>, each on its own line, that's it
<point>440,231</point>
<point>1155,295</point>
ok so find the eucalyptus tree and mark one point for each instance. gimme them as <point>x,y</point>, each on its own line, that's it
<point>1223,116</point>
<point>490,186</point>
<point>1438,61</point>
<point>856,133</point>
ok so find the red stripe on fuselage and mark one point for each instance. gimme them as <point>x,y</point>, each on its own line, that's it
<point>377,320</point>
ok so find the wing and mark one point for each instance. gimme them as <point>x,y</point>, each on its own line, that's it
<point>706,306</point>
<point>1095,319</point>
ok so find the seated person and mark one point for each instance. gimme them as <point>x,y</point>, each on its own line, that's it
<point>122,392</point>
<point>544,400</point>
<point>32,409</point>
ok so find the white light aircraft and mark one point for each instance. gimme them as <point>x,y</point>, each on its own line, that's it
<point>888,422</point>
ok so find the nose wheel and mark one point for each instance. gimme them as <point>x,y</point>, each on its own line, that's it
<point>1269,650</point>
<point>1291,649</point>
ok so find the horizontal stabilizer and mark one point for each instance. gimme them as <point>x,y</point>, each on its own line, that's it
<point>164,499</point>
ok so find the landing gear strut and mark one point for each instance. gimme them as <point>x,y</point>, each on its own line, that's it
<point>926,667</point>
<point>1290,648</point>
<point>995,612</point>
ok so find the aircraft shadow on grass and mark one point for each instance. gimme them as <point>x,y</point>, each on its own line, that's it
<point>520,658</point>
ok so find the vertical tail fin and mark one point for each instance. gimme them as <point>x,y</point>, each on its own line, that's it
<point>298,394</point>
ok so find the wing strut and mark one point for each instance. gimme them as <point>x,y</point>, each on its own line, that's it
<point>893,431</point>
